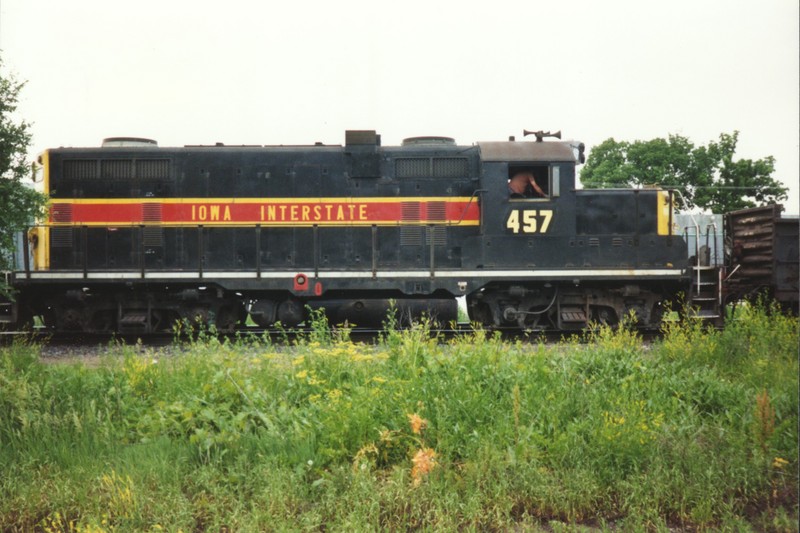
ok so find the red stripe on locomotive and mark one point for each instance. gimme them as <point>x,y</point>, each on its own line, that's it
<point>268,212</point>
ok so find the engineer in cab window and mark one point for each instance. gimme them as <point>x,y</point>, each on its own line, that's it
<point>523,185</point>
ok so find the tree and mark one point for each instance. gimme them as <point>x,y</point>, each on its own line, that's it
<point>707,177</point>
<point>19,204</point>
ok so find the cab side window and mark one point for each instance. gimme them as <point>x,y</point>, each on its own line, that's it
<point>528,182</point>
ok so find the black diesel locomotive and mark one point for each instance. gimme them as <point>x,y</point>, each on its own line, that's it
<point>141,236</point>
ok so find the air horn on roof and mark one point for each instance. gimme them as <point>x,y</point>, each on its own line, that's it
<point>540,135</point>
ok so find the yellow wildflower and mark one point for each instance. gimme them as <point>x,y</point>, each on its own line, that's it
<point>334,395</point>
<point>779,462</point>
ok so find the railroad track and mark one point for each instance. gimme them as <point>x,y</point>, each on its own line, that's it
<point>276,336</point>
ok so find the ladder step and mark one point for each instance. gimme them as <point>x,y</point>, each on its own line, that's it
<point>134,319</point>
<point>705,313</point>
<point>572,315</point>
<point>704,299</point>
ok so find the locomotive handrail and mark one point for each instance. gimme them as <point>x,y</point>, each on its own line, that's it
<point>315,249</point>
<point>698,267</point>
<point>374,251</point>
<point>200,250</point>
<point>25,251</point>
<point>432,242</point>
<point>670,221</point>
<point>258,251</point>
<point>694,221</point>
<point>729,276</point>
<point>142,264</point>
<point>696,238</point>
<point>84,245</point>
<point>712,226</point>
<point>464,211</point>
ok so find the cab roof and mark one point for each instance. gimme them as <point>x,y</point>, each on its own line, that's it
<point>528,151</point>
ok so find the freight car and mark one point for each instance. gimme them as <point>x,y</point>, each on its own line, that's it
<point>140,236</point>
<point>763,256</point>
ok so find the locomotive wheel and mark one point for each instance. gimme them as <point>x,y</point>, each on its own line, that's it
<point>227,318</point>
<point>103,322</point>
<point>195,318</point>
<point>291,312</point>
<point>481,313</point>
<point>604,316</point>
<point>262,312</point>
<point>163,319</point>
<point>71,319</point>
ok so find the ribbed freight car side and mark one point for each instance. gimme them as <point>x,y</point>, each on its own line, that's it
<point>764,255</point>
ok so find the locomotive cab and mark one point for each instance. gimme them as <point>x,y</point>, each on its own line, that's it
<point>561,258</point>
<point>526,190</point>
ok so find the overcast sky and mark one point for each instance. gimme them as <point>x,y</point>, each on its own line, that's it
<point>296,72</point>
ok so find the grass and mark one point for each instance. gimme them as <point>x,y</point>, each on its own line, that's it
<point>695,431</point>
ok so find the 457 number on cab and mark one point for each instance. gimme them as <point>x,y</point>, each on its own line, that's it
<point>529,220</point>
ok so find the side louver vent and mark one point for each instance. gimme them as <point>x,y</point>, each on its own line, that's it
<point>61,212</point>
<point>431,167</point>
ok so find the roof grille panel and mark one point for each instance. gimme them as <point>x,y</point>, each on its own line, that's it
<point>152,169</point>
<point>116,169</point>
<point>431,167</point>
<point>412,167</point>
<point>450,167</point>
<point>80,169</point>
